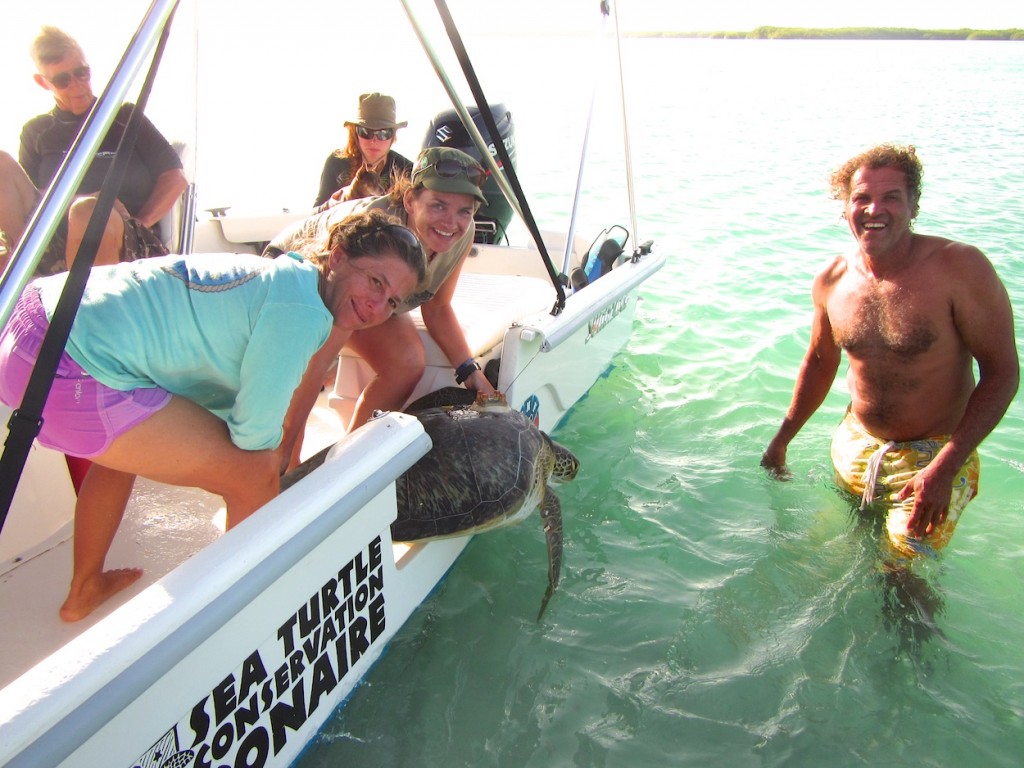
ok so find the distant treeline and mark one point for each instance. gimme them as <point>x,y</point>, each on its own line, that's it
<point>850,33</point>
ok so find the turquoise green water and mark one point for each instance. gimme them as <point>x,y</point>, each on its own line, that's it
<point>709,615</point>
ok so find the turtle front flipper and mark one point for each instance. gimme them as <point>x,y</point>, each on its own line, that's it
<point>551,517</point>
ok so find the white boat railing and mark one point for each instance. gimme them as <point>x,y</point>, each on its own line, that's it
<point>619,282</point>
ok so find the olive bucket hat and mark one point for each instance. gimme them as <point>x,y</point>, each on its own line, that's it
<point>376,111</point>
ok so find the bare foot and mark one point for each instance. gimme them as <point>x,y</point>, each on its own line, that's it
<point>85,599</point>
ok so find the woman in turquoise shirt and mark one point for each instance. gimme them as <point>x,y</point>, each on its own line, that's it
<point>188,369</point>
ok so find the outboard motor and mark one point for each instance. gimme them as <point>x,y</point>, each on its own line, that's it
<point>447,130</point>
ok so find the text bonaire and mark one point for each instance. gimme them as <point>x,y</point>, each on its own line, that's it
<point>248,717</point>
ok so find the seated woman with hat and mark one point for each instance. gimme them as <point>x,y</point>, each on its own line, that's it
<point>367,166</point>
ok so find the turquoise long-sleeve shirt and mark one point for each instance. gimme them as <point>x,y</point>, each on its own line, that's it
<point>233,333</point>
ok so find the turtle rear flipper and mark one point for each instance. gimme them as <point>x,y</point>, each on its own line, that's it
<point>551,516</point>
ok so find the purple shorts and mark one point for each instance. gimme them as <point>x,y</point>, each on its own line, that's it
<point>82,417</point>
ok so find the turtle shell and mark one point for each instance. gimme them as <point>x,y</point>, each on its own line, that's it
<point>487,469</point>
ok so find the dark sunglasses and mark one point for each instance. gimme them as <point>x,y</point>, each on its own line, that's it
<point>63,80</point>
<point>449,169</point>
<point>381,134</point>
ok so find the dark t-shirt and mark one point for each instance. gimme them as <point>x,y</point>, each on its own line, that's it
<point>46,139</point>
<point>338,173</point>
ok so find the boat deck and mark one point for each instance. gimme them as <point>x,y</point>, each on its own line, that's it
<point>163,526</point>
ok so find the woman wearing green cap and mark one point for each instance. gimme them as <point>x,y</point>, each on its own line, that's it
<point>437,203</point>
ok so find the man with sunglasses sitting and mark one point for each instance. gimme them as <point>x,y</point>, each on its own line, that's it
<point>367,157</point>
<point>152,185</point>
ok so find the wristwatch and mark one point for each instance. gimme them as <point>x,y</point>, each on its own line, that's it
<point>466,370</point>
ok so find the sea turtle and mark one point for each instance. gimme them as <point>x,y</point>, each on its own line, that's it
<point>490,467</point>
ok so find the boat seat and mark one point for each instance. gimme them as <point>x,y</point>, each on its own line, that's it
<point>486,306</point>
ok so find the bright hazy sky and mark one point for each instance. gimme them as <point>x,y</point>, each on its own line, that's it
<point>104,26</point>
<point>746,14</point>
<point>22,15</point>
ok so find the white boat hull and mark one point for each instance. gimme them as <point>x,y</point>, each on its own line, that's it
<point>246,648</point>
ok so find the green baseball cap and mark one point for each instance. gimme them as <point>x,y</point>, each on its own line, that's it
<point>446,169</point>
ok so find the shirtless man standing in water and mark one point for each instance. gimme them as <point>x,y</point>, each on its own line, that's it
<point>913,312</point>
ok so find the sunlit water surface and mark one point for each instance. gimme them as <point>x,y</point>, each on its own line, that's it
<point>708,615</point>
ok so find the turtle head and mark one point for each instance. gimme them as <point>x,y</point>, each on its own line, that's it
<point>566,464</point>
<point>494,403</point>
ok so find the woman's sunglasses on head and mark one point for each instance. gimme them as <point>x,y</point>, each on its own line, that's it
<point>449,169</point>
<point>381,134</point>
<point>397,231</point>
<point>63,80</point>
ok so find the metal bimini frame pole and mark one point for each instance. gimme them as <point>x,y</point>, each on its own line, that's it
<point>55,200</point>
<point>567,259</point>
<point>26,420</point>
<point>638,250</point>
<point>463,113</point>
<point>510,186</point>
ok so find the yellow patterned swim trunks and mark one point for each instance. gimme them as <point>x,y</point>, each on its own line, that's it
<point>877,470</point>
